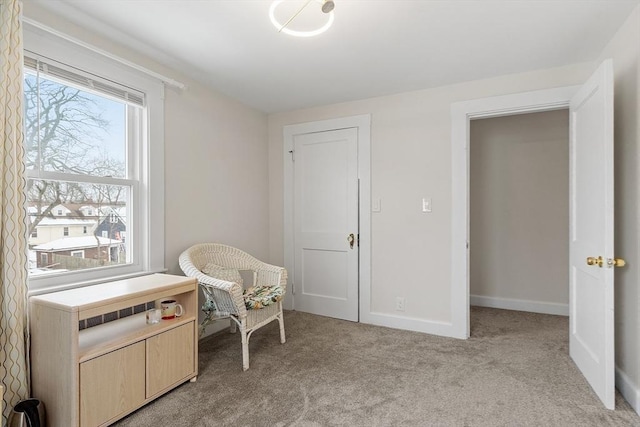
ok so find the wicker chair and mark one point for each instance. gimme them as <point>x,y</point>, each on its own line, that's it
<point>216,267</point>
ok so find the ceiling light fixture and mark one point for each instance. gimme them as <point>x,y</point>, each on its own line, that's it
<point>326,6</point>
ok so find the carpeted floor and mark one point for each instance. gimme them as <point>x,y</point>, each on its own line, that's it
<point>514,371</point>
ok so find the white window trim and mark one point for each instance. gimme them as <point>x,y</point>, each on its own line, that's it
<point>147,236</point>
<point>81,252</point>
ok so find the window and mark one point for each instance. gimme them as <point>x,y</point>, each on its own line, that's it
<point>34,233</point>
<point>78,138</point>
<point>93,137</point>
<point>77,254</point>
<point>105,233</point>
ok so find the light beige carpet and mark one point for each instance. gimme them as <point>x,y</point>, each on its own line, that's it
<point>514,371</point>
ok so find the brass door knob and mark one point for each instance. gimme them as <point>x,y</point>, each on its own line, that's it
<point>595,261</point>
<point>351,239</point>
<point>616,262</point>
<point>611,262</point>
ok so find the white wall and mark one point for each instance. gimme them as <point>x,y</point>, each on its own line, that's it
<point>519,211</point>
<point>215,174</point>
<point>411,159</point>
<point>624,48</point>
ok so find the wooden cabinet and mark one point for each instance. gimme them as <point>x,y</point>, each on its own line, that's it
<point>169,359</point>
<point>112,384</point>
<point>92,375</point>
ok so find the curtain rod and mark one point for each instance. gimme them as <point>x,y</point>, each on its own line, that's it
<point>102,52</point>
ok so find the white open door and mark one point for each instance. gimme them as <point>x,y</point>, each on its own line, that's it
<point>591,233</point>
<point>325,218</point>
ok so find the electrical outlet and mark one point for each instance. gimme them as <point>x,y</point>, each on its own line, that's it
<point>426,204</point>
<point>399,304</point>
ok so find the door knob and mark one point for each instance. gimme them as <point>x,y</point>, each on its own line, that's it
<point>616,262</point>
<point>351,239</point>
<point>595,261</point>
<point>611,262</point>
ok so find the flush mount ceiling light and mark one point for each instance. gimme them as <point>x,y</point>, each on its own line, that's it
<point>326,7</point>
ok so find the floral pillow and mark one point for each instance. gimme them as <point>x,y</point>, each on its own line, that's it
<point>262,296</point>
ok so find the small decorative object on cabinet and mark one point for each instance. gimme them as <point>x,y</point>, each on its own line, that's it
<point>95,358</point>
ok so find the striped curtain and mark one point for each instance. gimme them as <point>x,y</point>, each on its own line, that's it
<point>14,328</point>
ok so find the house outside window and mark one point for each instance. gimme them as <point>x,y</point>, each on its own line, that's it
<point>94,135</point>
<point>34,233</point>
<point>77,254</point>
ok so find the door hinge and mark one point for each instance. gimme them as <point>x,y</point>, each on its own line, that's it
<point>358,241</point>
<point>293,289</point>
<point>293,155</point>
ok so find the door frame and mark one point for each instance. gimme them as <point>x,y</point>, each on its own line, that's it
<point>461,115</point>
<point>363,125</point>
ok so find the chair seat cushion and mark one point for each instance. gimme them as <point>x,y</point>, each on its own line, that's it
<point>262,296</point>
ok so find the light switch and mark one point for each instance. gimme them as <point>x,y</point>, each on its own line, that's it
<point>376,205</point>
<point>426,204</point>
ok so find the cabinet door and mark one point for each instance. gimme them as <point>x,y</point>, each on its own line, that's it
<point>111,385</point>
<point>170,358</point>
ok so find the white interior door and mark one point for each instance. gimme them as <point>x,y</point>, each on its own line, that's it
<point>591,232</point>
<point>326,223</point>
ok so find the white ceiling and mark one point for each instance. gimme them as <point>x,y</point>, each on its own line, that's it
<point>375,47</point>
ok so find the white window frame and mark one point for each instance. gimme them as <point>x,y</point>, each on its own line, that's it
<point>81,252</point>
<point>147,207</point>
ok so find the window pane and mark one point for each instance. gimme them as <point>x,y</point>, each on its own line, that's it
<point>73,131</point>
<point>93,223</point>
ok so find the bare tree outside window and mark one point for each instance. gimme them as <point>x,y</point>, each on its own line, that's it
<point>73,131</point>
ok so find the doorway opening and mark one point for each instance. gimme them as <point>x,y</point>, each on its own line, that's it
<point>591,279</point>
<point>519,212</point>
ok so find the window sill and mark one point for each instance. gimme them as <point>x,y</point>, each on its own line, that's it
<point>58,288</point>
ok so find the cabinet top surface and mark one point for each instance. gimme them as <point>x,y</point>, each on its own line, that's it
<point>75,299</point>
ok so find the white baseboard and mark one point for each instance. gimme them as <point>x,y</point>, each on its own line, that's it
<point>521,305</point>
<point>446,329</point>
<point>628,389</point>
<point>432,327</point>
